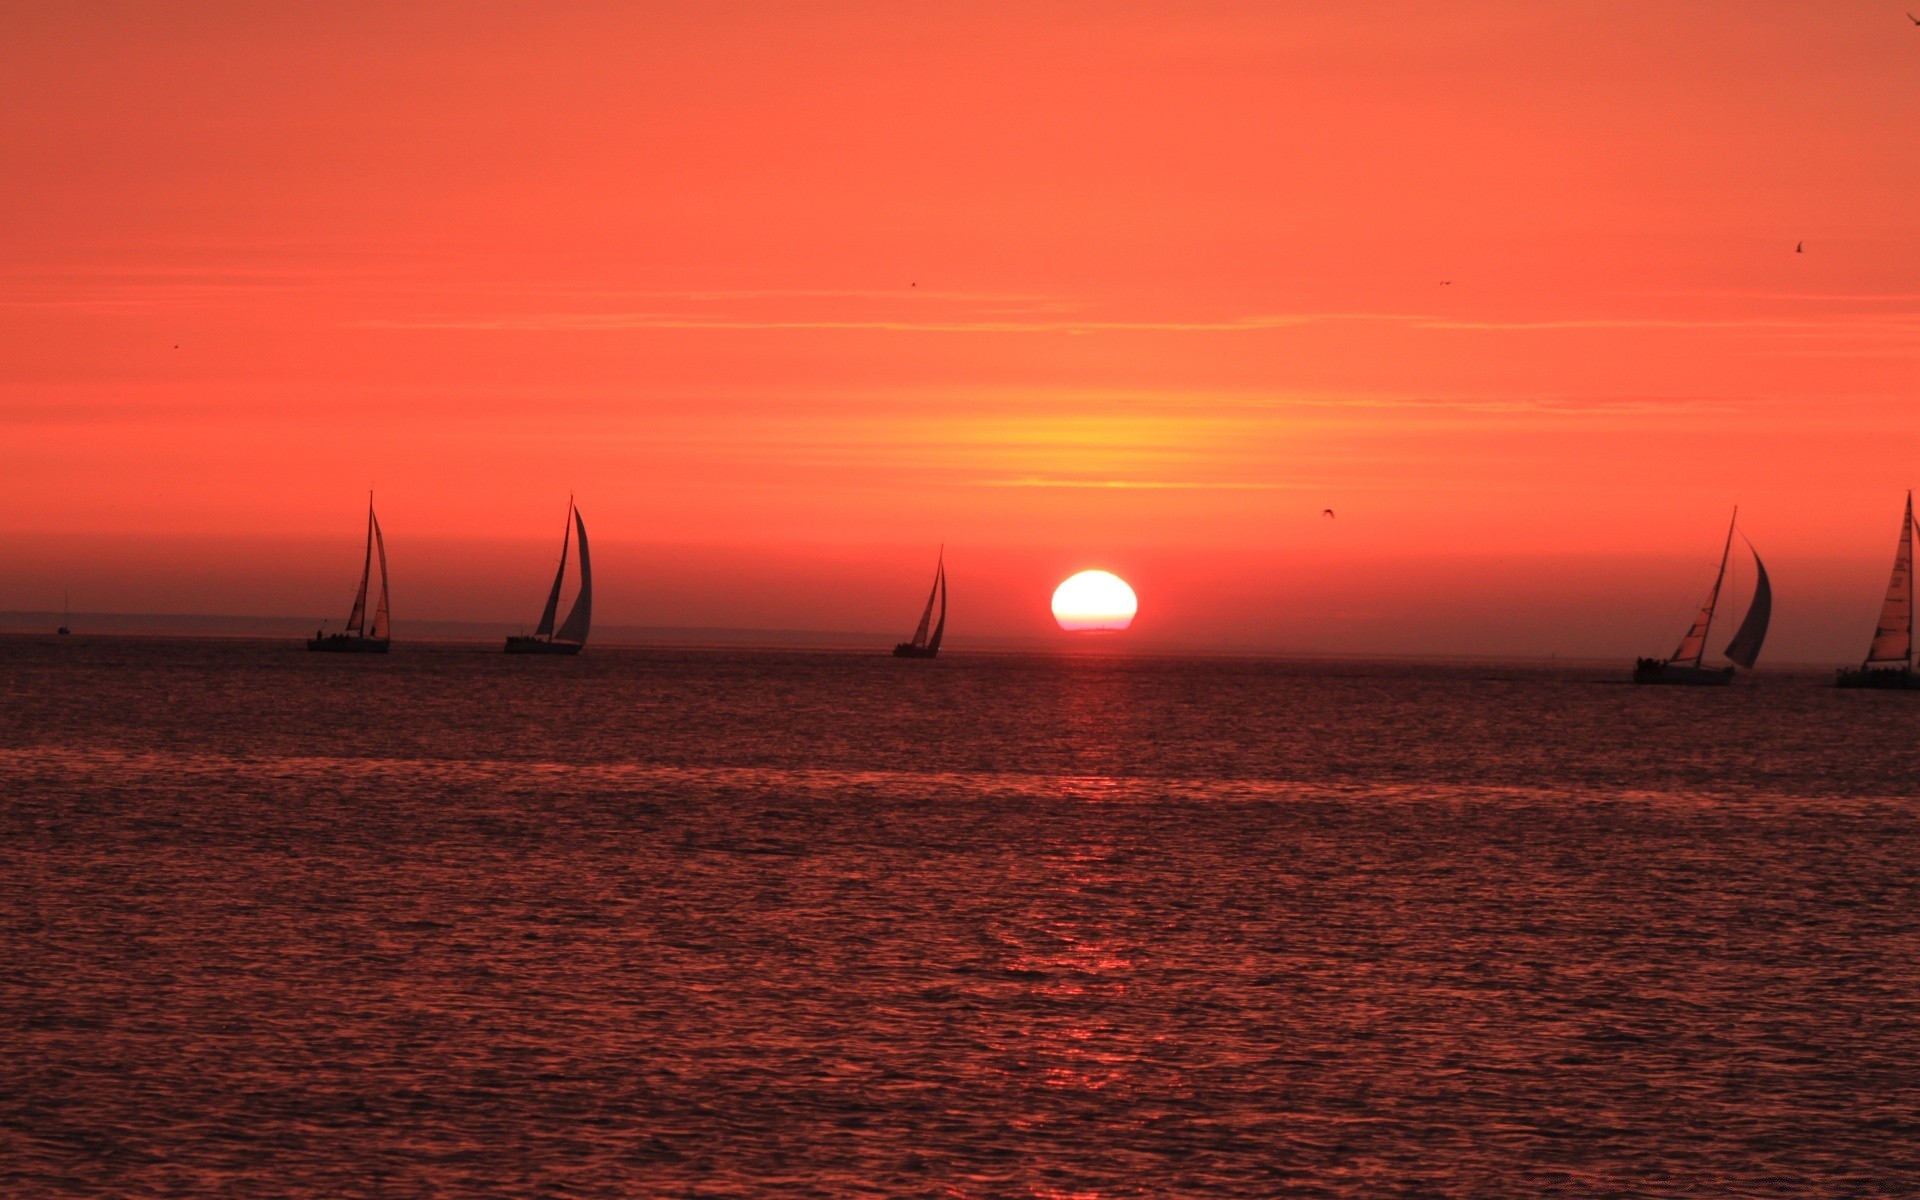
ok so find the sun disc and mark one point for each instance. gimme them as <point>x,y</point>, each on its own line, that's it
<point>1094,600</point>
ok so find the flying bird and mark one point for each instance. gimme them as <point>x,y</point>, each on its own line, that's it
<point>1326,512</point>
<point>1799,247</point>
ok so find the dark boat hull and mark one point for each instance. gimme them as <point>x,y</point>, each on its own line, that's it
<point>1655,670</point>
<point>534,645</point>
<point>909,650</point>
<point>1887,679</point>
<point>340,643</point>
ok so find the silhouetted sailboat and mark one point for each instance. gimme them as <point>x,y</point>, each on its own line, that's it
<point>66,616</point>
<point>364,634</point>
<point>925,645</point>
<point>573,631</point>
<point>1687,665</point>
<point>1889,661</point>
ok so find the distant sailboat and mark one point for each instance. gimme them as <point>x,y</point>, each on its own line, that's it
<point>1687,665</point>
<point>66,616</point>
<point>925,645</point>
<point>363,635</point>
<point>1889,662</point>
<point>573,631</point>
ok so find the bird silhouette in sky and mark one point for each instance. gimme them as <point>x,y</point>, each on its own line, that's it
<point>1446,283</point>
<point>1799,247</point>
<point>1326,512</point>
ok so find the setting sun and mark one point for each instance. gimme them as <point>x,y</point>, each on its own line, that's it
<point>1094,600</point>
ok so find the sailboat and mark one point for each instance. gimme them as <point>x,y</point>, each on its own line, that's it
<point>66,616</point>
<point>926,645</point>
<point>1687,664</point>
<point>1889,661</point>
<point>364,634</point>
<point>573,631</point>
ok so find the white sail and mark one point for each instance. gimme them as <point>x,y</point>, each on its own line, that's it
<point>933,593</point>
<point>940,630</point>
<point>574,629</point>
<point>1893,636</point>
<point>1745,646</point>
<point>380,615</point>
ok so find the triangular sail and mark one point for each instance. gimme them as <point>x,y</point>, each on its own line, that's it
<point>926,617</point>
<point>356,622</point>
<point>574,629</point>
<point>1745,646</point>
<point>1693,647</point>
<point>545,628</point>
<point>939,630</point>
<point>380,615</point>
<point>1893,637</point>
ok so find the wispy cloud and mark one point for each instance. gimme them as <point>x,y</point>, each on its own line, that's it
<point>1804,326</point>
<point>1166,485</point>
<point>589,322</point>
<point>1836,325</point>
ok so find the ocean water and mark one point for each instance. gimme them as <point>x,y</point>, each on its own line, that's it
<point>762,924</point>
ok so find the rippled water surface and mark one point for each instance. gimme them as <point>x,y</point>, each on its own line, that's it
<point>716,924</point>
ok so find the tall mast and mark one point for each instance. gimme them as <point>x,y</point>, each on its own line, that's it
<point>356,620</point>
<point>545,628</point>
<point>1714,601</point>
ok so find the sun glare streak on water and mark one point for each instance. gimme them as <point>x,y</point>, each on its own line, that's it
<point>732,924</point>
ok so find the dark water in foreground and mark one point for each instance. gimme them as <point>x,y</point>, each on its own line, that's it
<point>678,924</point>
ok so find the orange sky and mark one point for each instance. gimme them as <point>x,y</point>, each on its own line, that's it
<point>787,294</point>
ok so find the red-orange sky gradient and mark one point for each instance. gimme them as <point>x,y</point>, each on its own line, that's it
<point>789,294</point>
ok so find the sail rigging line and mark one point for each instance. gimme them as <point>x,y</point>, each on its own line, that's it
<point>574,628</point>
<point>1693,647</point>
<point>545,628</point>
<point>1744,649</point>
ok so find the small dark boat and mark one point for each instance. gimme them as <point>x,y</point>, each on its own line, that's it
<point>66,617</point>
<point>1687,666</point>
<point>573,631</point>
<point>925,645</point>
<point>1889,662</point>
<point>364,634</point>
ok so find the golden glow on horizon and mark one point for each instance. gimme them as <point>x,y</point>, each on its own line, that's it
<point>1094,600</point>
<point>1160,298</point>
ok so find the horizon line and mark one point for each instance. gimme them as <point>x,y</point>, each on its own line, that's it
<point>685,637</point>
